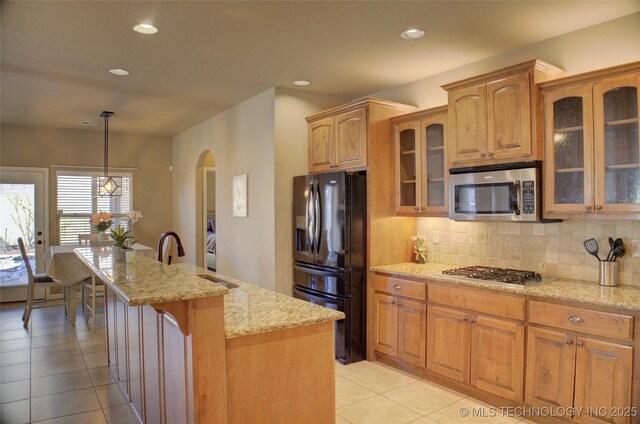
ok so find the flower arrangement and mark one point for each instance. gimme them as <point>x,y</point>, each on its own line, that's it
<point>102,221</point>
<point>420,249</point>
<point>134,216</point>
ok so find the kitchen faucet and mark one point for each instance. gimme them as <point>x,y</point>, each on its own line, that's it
<point>163,237</point>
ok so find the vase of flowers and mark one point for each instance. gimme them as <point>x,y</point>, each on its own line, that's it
<point>102,221</point>
<point>420,249</point>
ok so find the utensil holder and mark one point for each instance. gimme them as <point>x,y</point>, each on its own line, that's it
<point>608,274</point>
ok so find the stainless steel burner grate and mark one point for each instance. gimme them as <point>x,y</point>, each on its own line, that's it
<point>500,275</point>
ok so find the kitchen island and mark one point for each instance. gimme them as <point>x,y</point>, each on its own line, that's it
<point>188,345</point>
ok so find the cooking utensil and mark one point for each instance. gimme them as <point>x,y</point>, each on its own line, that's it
<point>591,245</point>
<point>616,244</point>
<point>618,252</point>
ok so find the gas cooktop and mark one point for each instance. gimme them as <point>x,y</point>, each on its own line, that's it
<point>497,275</point>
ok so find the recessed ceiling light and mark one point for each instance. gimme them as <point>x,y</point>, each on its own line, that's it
<point>89,123</point>
<point>145,28</point>
<point>301,83</point>
<point>119,71</point>
<point>412,34</point>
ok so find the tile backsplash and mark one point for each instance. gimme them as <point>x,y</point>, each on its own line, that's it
<point>554,250</point>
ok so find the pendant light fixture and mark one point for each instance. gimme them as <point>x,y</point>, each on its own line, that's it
<point>108,186</point>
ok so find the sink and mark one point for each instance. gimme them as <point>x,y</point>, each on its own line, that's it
<point>217,280</point>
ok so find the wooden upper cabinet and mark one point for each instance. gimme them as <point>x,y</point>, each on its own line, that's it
<point>351,139</point>
<point>550,368</point>
<point>499,373</point>
<point>340,138</point>
<point>592,144</point>
<point>603,380</point>
<point>509,117</point>
<point>468,118</point>
<point>321,145</point>
<point>493,117</point>
<point>421,162</point>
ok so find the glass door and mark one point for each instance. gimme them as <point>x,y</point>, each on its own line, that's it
<point>617,147</point>
<point>569,150</point>
<point>23,206</point>
<point>434,171</point>
<point>407,168</point>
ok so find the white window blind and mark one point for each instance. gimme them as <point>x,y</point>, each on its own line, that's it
<point>77,201</point>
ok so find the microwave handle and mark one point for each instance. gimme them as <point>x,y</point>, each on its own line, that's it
<point>516,197</point>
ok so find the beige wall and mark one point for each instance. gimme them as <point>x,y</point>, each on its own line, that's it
<point>600,46</point>
<point>241,140</point>
<point>266,138</point>
<point>42,147</point>
<point>291,159</point>
<point>553,249</point>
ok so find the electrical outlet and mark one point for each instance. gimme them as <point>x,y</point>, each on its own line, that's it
<point>435,238</point>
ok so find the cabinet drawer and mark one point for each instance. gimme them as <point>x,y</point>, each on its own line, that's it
<point>583,320</point>
<point>400,287</point>
<point>491,302</point>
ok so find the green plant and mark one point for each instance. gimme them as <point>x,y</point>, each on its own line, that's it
<point>122,237</point>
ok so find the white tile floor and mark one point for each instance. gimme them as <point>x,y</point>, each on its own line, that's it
<point>55,373</point>
<point>373,393</point>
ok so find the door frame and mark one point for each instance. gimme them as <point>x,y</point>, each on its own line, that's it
<point>16,293</point>
<point>205,202</point>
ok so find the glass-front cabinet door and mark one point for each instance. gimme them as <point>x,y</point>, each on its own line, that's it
<point>568,150</point>
<point>434,170</point>
<point>617,146</point>
<point>407,167</point>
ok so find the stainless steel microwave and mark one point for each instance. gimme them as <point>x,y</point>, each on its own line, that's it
<point>506,192</point>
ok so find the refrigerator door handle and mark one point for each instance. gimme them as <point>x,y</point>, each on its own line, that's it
<point>316,271</point>
<point>316,209</point>
<point>309,213</point>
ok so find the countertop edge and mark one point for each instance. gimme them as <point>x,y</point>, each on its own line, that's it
<point>533,292</point>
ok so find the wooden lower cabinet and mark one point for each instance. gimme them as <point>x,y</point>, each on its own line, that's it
<point>487,353</point>
<point>603,379</point>
<point>401,329</point>
<point>567,371</point>
<point>497,356</point>
<point>550,368</point>
<point>448,346</point>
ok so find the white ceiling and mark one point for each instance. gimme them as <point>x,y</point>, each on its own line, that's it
<point>211,55</point>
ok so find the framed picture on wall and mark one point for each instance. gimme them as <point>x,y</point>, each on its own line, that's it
<point>239,196</point>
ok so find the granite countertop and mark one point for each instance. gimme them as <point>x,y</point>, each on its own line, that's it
<point>248,309</point>
<point>623,297</point>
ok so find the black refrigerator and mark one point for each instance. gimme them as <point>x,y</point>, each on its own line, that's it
<point>329,213</point>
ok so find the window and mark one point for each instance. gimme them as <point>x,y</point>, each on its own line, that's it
<point>77,201</point>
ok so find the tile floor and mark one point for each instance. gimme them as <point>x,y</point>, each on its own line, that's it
<point>55,373</point>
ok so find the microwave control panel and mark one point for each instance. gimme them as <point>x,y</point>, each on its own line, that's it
<point>528,197</point>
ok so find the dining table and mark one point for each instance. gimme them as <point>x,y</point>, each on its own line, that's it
<point>68,270</point>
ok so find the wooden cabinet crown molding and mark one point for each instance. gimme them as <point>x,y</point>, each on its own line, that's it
<point>419,114</point>
<point>592,76</point>
<point>357,104</point>
<point>542,71</point>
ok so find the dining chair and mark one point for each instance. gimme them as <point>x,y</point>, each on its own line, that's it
<point>90,288</point>
<point>33,281</point>
<point>85,239</point>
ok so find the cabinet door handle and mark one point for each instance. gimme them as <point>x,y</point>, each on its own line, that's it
<point>490,154</point>
<point>422,208</point>
<point>598,207</point>
<point>417,208</point>
<point>569,342</point>
<point>465,319</point>
<point>580,344</point>
<point>587,207</point>
<point>473,321</point>
<point>482,155</point>
<point>397,286</point>
<point>575,319</point>
<point>393,302</point>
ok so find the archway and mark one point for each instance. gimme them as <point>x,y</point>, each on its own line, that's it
<point>205,222</point>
